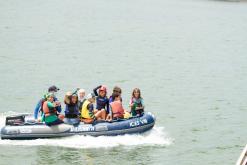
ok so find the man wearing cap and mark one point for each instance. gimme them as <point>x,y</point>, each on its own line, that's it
<point>52,89</point>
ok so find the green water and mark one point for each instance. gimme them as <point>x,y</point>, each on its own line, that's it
<point>188,57</point>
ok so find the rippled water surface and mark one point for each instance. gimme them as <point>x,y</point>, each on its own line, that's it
<point>187,56</point>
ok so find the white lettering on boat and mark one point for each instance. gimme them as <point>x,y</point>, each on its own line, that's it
<point>138,122</point>
<point>12,131</point>
<point>25,130</point>
<point>81,128</point>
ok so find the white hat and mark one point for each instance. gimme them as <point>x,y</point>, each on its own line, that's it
<point>81,90</point>
<point>90,96</point>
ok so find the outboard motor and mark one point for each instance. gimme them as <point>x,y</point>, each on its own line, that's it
<point>15,120</point>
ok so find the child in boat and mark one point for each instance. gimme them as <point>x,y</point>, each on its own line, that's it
<point>136,103</point>
<point>71,108</point>
<point>88,114</point>
<point>50,112</point>
<point>102,102</point>
<point>116,108</point>
<point>116,91</point>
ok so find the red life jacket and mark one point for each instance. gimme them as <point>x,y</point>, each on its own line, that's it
<point>117,109</point>
<point>48,111</point>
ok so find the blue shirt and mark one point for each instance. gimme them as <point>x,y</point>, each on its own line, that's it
<point>101,102</point>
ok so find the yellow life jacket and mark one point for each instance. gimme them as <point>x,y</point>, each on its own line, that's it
<point>85,110</point>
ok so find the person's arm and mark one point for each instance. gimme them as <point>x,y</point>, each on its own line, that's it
<point>78,111</point>
<point>36,109</point>
<point>76,90</point>
<point>143,106</point>
<point>107,106</point>
<point>95,90</point>
<point>131,103</point>
<point>110,99</point>
<point>90,108</point>
<point>58,107</point>
<point>110,110</point>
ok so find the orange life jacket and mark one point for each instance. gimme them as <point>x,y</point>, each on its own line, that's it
<point>117,109</point>
<point>48,111</point>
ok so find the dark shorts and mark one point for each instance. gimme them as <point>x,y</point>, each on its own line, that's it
<point>56,122</point>
<point>137,112</point>
<point>140,111</point>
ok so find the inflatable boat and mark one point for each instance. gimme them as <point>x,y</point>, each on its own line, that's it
<point>22,127</point>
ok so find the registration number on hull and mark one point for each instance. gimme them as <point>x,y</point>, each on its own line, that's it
<point>138,122</point>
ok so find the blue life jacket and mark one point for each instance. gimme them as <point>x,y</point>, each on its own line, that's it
<point>71,111</point>
<point>102,103</point>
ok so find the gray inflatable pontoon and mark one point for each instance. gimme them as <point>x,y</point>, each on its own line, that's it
<point>32,130</point>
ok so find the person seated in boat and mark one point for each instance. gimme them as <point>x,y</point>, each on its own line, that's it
<point>50,111</point>
<point>81,97</point>
<point>136,103</point>
<point>116,91</point>
<point>71,108</point>
<point>88,114</point>
<point>38,108</point>
<point>116,108</point>
<point>102,101</point>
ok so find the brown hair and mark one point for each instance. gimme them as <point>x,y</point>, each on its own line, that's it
<point>116,90</point>
<point>138,90</point>
<point>114,95</point>
<point>67,98</point>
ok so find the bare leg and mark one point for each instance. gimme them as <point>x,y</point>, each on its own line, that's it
<point>100,114</point>
<point>103,114</point>
<point>109,117</point>
<point>87,121</point>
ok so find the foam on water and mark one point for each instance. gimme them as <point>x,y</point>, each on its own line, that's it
<point>157,136</point>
